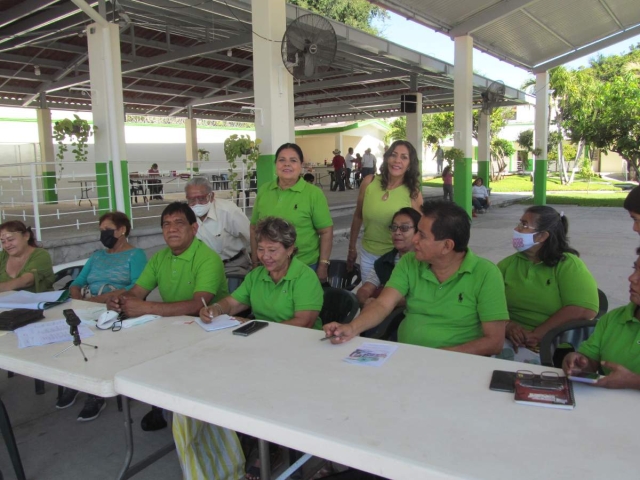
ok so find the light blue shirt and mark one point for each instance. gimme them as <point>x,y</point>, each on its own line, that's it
<point>120,269</point>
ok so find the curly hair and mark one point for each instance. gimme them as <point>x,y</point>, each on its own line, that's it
<point>411,177</point>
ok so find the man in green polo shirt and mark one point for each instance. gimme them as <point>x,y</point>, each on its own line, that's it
<point>186,272</point>
<point>455,300</point>
<point>614,345</point>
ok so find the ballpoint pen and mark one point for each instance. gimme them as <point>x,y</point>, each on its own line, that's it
<point>329,338</point>
<point>205,306</point>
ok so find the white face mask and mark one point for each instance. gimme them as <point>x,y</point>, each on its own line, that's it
<point>523,241</point>
<point>201,210</point>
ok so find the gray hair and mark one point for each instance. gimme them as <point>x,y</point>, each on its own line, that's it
<point>276,229</point>
<point>199,182</point>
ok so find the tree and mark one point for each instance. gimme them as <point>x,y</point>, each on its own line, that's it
<point>497,121</point>
<point>356,13</point>
<point>501,151</point>
<point>436,127</point>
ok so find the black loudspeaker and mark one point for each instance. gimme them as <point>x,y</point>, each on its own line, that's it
<point>408,103</point>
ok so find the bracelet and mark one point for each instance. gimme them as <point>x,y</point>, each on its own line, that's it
<point>220,310</point>
<point>353,249</point>
<point>326,262</point>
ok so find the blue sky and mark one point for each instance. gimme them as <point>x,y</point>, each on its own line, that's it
<point>422,39</point>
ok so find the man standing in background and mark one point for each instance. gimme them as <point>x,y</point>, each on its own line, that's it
<point>368,163</point>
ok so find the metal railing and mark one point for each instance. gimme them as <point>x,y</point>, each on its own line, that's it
<point>34,194</point>
<point>58,199</point>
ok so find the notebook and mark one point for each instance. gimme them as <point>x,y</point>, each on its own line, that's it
<point>545,391</point>
<point>218,323</point>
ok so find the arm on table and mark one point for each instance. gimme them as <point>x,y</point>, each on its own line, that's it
<point>25,280</point>
<point>490,343</point>
<point>227,305</point>
<point>371,316</point>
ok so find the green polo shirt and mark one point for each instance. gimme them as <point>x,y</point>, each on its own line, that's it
<point>616,339</point>
<point>197,269</point>
<point>304,205</point>
<point>451,313</point>
<point>297,291</point>
<point>536,291</point>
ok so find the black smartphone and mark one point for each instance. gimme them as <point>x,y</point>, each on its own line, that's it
<point>502,381</point>
<point>249,328</point>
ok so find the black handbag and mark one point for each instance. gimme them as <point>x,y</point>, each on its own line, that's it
<point>19,317</point>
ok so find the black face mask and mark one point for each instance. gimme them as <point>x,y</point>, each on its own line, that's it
<point>107,238</point>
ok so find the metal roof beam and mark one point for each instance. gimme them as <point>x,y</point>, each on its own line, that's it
<point>158,60</point>
<point>23,9</point>
<point>581,52</point>
<point>43,19</point>
<point>488,16</point>
<point>353,80</point>
<point>169,8</point>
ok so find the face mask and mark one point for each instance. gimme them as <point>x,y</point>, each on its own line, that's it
<point>108,239</point>
<point>201,210</point>
<point>523,241</point>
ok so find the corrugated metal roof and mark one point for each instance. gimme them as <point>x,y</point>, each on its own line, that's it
<point>162,76</point>
<point>528,33</point>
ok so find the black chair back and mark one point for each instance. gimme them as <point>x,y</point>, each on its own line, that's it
<point>604,304</point>
<point>72,272</point>
<point>234,281</point>
<point>388,329</point>
<point>339,277</point>
<point>338,306</point>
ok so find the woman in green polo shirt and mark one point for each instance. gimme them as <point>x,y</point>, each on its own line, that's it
<point>380,196</point>
<point>300,203</point>
<point>546,284</point>
<point>282,289</point>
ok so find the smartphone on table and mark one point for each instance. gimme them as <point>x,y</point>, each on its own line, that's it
<point>249,328</point>
<point>584,377</point>
<point>502,381</point>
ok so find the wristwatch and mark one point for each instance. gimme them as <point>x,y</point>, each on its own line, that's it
<point>327,262</point>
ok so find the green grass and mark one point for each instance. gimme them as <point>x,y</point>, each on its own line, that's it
<point>585,200</point>
<point>522,183</point>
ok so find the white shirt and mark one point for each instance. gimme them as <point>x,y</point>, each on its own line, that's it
<point>349,159</point>
<point>479,191</point>
<point>225,229</point>
<point>368,160</point>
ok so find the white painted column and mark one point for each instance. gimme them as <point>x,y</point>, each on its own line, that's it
<point>191,139</point>
<point>414,128</point>
<point>463,119</point>
<point>108,116</point>
<point>272,84</point>
<point>484,153</point>
<point>47,154</point>
<point>541,136</point>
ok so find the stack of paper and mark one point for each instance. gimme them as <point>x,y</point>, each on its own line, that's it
<point>34,301</point>
<point>218,323</point>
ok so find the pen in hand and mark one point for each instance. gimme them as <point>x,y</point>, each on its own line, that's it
<point>329,338</point>
<point>205,307</point>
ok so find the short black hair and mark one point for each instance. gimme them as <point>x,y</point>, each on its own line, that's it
<point>179,207</point>
<point>632,202</point>
<point>410,212</point>
<point>450,221</point>
<point>293,146</point>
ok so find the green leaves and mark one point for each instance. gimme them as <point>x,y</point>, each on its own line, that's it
<point>76,130</point>
<point>243,147</point>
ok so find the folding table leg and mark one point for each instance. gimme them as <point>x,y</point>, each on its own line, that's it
<point>10,440</point>
<point>265,459</point>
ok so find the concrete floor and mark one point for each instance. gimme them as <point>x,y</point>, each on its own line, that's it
<point>54,446</point>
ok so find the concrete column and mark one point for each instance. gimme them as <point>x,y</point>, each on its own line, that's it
<point>541,136</point>
<point>273,85</point>
<point>414,129</point>
<point>112,168</point>
<point>191,140</point>
<point>47,155</point>
<point>463,119</point>
<point>484,155</point>
<point>338,143</point>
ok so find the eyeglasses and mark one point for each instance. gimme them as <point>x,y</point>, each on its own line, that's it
<point>403,228</point>
<point>201,200</point>
<point>545,381</point>
<point>117,325</point>
<point>526,227</point>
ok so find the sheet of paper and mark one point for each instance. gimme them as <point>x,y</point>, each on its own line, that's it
<point>24,299</point>
<point>371,354</point>
<point>218,323</point>
<point>44,333</point>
